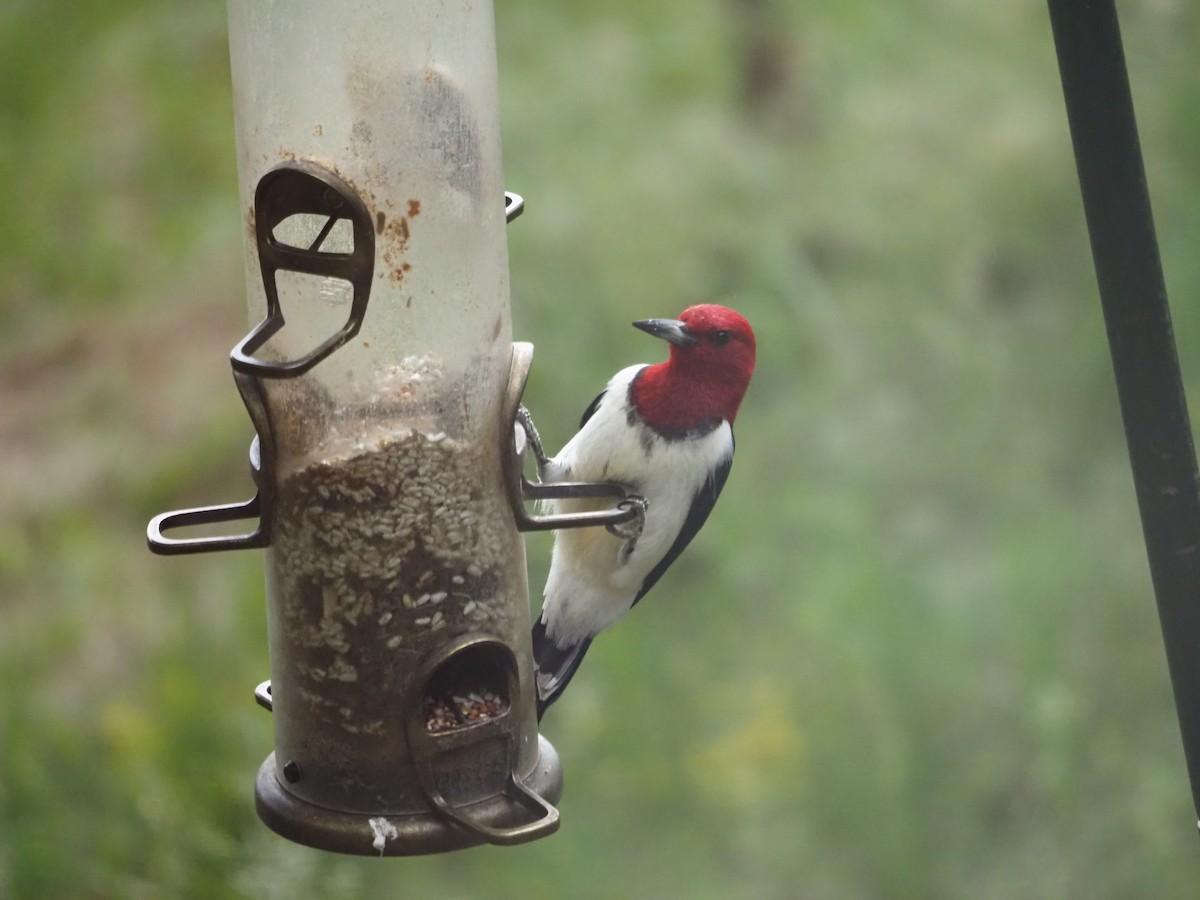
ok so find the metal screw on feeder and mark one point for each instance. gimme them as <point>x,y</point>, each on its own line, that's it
<point>384,387</point>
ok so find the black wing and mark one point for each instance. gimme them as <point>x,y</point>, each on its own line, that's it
<point>591,410</point>
<point>702,505</point>
<point>554,667</point>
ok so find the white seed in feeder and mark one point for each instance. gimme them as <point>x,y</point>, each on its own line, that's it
<point>394,555</point>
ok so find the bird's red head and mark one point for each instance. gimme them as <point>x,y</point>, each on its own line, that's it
<point>706,376</point>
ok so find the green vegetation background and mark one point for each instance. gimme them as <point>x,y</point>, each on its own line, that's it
<point>915,652</point>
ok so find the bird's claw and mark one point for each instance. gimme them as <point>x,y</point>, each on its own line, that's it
<point>632,529</point>
<point>525,420</point>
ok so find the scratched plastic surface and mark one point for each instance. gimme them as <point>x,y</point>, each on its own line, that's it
<point>392,533</point>
<point>401,100</point>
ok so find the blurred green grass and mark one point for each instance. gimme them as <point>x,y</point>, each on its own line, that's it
<point>914,653</point>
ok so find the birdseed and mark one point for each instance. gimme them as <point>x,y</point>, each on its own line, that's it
<point>382,553</point>
<point>449,712</point>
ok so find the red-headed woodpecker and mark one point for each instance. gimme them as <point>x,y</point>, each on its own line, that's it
<point>665,432</point>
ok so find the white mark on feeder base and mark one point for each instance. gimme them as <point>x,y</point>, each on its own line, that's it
<point>382,829</point>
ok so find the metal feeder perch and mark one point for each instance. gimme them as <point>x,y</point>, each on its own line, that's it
<point>384,387</point>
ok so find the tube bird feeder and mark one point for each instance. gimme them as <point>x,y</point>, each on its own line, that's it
<point>383,384</point>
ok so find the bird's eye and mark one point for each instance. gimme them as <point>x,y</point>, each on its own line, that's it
<point>720,338</point>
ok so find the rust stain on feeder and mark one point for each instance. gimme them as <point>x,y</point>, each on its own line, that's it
<point>397,234</point>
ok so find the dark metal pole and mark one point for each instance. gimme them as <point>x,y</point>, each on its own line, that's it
<point>1133,295</point>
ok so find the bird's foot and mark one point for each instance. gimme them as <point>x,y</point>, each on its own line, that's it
<point>631,530</point>
<point>525,420</point>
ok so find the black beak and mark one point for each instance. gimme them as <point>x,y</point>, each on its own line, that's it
<point>671,330</point>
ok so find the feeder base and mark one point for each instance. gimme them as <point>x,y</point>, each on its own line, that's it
<point>393,835</point>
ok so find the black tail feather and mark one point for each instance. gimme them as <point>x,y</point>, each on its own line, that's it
<point>554,666</point>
